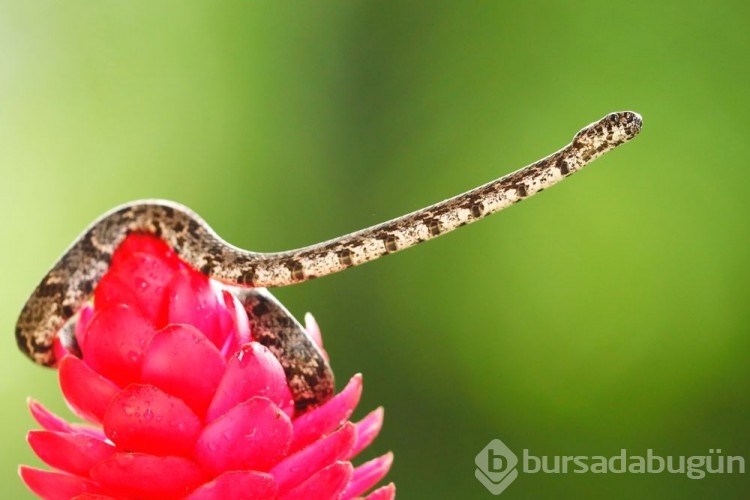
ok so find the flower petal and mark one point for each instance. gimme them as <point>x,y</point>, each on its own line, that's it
<point>237,324</point>
<point>146,476</point>
<point>303,464</point>
<point>85,315</point>
<point>367,430</point>
<point>252,371</point>
<point>115,342</point>
<point>192,300</point>
<point>252,435</point>
<point>73,453</point>
<point>181,361</point>
<point>367,475</point>
<point>248,485</point>
<point>327,483</point>
<point>86,392</point>
<point>145,419</point>
<point>46,418</point>
<point>145,243</point>
<point>321,421</point>
<point>55,485</point>
<point>313,330</point>
<point>110,292</point>
<point>52,422</point>
<point>140,279</point>
<point>387,492</point>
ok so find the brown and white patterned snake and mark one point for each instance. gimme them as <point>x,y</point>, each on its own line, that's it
<point>71,281</point>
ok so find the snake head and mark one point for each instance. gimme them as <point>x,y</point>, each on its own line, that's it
<point>612,130</point>
<point>601,136</point>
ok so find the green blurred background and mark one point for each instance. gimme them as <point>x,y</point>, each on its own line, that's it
<point>608,313</point>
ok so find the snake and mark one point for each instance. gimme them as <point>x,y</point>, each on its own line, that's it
<point>71,281</point>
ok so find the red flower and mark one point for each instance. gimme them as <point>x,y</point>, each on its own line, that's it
<point>185,404</point>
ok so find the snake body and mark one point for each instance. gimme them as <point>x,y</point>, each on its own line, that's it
<point>74,276</point>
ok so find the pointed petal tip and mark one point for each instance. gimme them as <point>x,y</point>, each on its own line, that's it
<point>368,475</point>
<point>326,483</point>
<point>321,421</point>
<point>367,430</point>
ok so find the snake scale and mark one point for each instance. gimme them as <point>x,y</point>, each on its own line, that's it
<point>71,281</point>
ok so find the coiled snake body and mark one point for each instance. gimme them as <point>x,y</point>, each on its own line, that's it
<point>74,276</point>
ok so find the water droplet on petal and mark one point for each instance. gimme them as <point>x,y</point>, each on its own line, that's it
<point>148,414</point>
<point>130,409</point>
